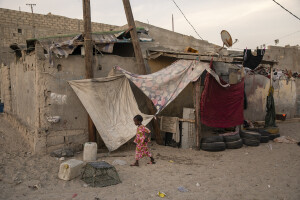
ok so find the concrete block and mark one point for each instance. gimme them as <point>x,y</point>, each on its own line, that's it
<point>79,139</point>
<point>90,151</point>
<point>70,169</point>
<point>55,140</point>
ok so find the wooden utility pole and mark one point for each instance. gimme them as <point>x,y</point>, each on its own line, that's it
<point>134,37</point>
<point>172,23</point>
<point>33,24</point>
<point>88,57</point>
<point>197,96</point>
<point>140,63</point>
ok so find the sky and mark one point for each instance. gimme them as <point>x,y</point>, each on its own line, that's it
<point>252,22</point>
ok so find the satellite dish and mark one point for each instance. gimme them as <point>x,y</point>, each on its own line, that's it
<point>226,38</point>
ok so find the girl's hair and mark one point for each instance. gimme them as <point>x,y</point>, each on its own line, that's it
<point>138,118</point>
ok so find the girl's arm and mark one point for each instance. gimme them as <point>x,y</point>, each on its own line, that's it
<point>146,136</point>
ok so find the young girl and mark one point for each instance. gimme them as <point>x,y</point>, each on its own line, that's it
<point>142,139</point>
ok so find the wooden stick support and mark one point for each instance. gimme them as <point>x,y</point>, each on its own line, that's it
<point>140,63</point>
<point>88,58</point>
<point>197,96</point>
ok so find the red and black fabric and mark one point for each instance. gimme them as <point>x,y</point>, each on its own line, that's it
<point>222,107</point>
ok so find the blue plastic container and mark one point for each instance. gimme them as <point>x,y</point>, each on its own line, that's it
<point>1,107</point>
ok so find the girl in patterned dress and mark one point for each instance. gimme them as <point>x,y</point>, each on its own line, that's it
<point>142,139</point>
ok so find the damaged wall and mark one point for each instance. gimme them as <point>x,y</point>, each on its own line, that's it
<point>17,26</point>
<point>257,88</point>
<point>288,57</point>
<point>167,39</point>
<point>45,107</point>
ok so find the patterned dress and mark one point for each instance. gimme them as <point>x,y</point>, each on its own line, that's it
<point>142,149</point>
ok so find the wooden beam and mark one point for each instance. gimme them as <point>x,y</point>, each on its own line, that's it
<point>88,58</point>
<point>134,37</point>
<point>197,96</point>
<point>140,63</point>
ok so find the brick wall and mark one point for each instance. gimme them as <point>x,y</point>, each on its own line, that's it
<point>17,26</point>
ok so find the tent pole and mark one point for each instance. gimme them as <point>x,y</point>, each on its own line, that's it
<point>88,58</point>
<point>140,63</point>
<point>197,97</point>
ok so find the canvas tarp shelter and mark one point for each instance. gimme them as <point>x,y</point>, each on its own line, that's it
<point>111,104</point>
<point>164,86</point>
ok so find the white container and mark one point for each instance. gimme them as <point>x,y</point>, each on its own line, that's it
<point>90,151</point>
<point>70,169</point>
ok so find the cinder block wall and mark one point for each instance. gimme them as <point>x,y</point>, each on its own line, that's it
<point>17,26</point>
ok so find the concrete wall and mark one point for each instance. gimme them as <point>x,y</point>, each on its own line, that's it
<point>288,58</point>
<point>40,91</point>
<point>165,39</point>
<point>17,26</point>
<point>257,88</point>
<point>23,103</point>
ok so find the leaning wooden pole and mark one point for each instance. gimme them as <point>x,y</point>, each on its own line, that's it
<point>140,62</point>
<point>197,97</point>
<point>88,57</point>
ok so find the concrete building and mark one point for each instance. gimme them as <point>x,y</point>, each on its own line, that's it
<point>35,92</point>
<point>17,27</point>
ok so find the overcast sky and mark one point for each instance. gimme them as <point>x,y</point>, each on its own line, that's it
<point>252,22</point>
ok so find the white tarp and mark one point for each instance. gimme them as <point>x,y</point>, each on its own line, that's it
<point>111,105</point>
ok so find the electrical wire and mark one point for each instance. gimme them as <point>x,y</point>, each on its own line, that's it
<point>187,19</point>
<point>286,9</point>
<point>284,36</point>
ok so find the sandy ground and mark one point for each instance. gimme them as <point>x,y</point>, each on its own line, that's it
<point>246,173</point>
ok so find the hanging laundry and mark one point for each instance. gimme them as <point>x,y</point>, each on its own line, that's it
<point>270,119</point>
<point>222,107</point>
<point>252,61</point>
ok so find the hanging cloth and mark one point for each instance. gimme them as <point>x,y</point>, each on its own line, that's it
<point>251,61</point>
<point>270,119</point>
<point>222,107</point>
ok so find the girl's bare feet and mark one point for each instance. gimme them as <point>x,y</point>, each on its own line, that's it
<point>135,164</point>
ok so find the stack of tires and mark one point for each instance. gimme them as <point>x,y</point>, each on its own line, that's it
<point>220,143</point>
<point>233,141</point>
<point>250,138</point>
<point>213,143</point>
<point>273,132</point>
<point>265,136</point>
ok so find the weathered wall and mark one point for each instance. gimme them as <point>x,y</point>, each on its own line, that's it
<point>257,88</point>
<point>23,77</point>
<point>288,58</point>
<point>18,88</point>
<point>56,98</point>
<point>166,39</point>
<point>17,26</point>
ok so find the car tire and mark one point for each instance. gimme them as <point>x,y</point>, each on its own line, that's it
<point>232,138</point>
<point>216,146</point>
<point>273,136</point>
<point>212,139</point>
<point>251,142</point>
<point>234,144</point>
<point>264,139</point>
<point>250,135</point>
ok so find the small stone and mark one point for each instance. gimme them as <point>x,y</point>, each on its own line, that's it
<point>85,185</point>
<point>197,184</point>
<point>62,159</point>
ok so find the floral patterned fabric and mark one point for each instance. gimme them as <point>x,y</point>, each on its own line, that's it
<point>142,149</point>
<point>163,87</point>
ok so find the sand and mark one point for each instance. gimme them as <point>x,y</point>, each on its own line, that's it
<point>270,171</point>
